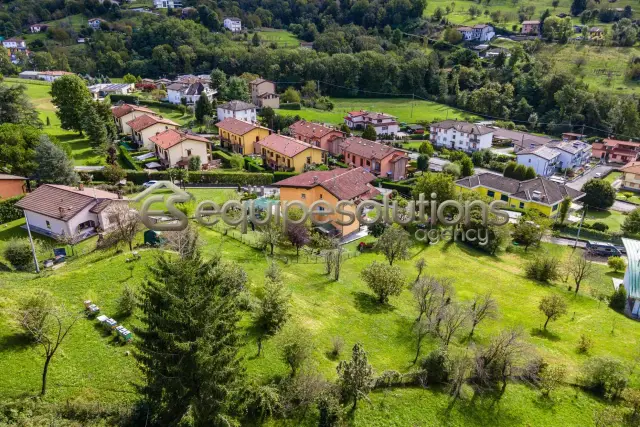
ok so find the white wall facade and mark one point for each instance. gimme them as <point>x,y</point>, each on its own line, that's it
<point>248,115</point>
<point>54,225</point>
<point>543,167</point>
<point>233,25</point>
<point>452,139</point>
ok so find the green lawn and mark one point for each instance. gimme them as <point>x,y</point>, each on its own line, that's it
<point>612,177</point>
<point>399,107</point>
<point>282,37</point>
<point>91,366</point>
<point>613,219</point>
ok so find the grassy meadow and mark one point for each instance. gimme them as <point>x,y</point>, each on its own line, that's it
<point>404,109</point>
<point>92,366</point>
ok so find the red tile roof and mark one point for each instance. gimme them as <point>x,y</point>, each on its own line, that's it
<point>310,130</point>
<point>124,109</point>
<point>285,145</point>
<point>357,113</point>
<point>632,167</point>
<point>238,127</point>
<point>61,201</point>
<point>144,121</point>
<point>615,142</point>
<point>171,137</point>
<point>345,184</point>
<point>368,149</point>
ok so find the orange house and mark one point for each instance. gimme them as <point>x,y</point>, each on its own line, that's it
<point>331,186</point>
<point>615,151</point>
<point>315,134</point>
<point>380,159</point>
<point>11,186</point>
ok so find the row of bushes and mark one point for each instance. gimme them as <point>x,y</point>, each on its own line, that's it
<point>279,176</point>
<point>204,177</point>
<point>127,160</point>
<point>587,233</point>
<point>252,166</point>
<point>290,106</point>
<point>134,99</point>
<point>225,157</point>
<point>129,99</point>
<point>400,188</point>
<point>9,211</point>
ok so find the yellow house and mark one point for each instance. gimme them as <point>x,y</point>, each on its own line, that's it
<point>146,126</point>
<point>175,148</point>
<point>631,176</point>
<point>285,153</point>
<point>240,136</point>
<point>122,114</point>
<point>537,193</point>
<point>331,186</point>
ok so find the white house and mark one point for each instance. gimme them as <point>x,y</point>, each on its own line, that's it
<point>51,76</point>
<point>104,89</point>
<point>479,32</point>
<point>233,24</point>
<point>174,148</point>
<point>544,160</point>
<point>60,210</point>
<point>238,110</point>
<point>384,124</point>
<point>95,23</point>
<point>191,92</point>
<point>164,4</point>
<point>573,154</point>
<point>36,28</point>
<point>465,136</point>
<point>14,43</point>
<point>466,33</point>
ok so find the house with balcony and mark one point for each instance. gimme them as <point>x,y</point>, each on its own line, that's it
<point>316,134</point>
<point>479,32</point>
<point>240,136</point>
<point>232,24</point>
<point>379,159</point>
<point>574,154</point>
<point>538,193</point>
<point>457,135</point>
<point>122,114</point>
<point>60,210</point>
<point>284,153</point>
<point>544,160</point>
<point>14,43</point>
<point>631,176</point>
<point>331,186</point>
<point>263,93</point>
<point>146,126</point>
<point>384,124</point>
<point>615,151</point>
<point>174,148</point>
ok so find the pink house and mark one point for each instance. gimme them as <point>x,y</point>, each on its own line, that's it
<point>316,134</point>
<point>531,28</point>
<point>380,159</point>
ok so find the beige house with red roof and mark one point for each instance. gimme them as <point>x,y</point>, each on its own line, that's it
<point>125,113</point>
<point>60,210</point>
<point>281,152</point>
<point>240,136</point>
<point>615,151</point>
<point>174,148</point>
<point>384,124</point>
<point>631,176</point>
<point>263,93</point>
<point>146,126</point>
<point>380,159</point>
<point>332,186</point>
<point>316,134</point>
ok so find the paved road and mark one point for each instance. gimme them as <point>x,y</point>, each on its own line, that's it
<point>621,206</point>
<point>579,182</point>
<point>564,241</point>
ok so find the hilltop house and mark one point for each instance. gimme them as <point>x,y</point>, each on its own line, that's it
<point>122,114</point>
<point>233,24</point>
<point>95,23</point>
<point>263,93</point>
<point>332,187</point>
<point>384,124</point>
<point>240,136</point>
<point>615,151</point>
<point>456,135</point>
<point>14,43</point>
<point>285,153</point>
<point>379,159</point>
<point>11,186</point>
<point>36,28</point>
<point>189,91</point>
<point>479,32</point>
<point>146,126</point>
<point>537,193</point>
<point>530,28</point>
<point>59,210</point>
<point>174,148</point>
<point>631,176</point>
<point>316,134</point>
<point>167,4</point>
<point>547,159</point>
<point>238,110</point>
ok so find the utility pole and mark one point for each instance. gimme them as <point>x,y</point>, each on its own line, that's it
<point>33,248</point>
<point>584,212</point>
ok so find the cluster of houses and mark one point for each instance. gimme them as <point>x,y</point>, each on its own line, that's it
<point>310,144</point>
<point>15,46</point>
<point>48,76</point>
<point>384,124</point>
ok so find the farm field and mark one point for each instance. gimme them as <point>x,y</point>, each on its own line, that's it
<point>91,366</point>
<point>399,107</point>
<point>81,151</point>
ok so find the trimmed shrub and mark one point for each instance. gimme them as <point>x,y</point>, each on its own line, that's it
<point>8,210</point>
<point>226,158</point>
<point>600,226</point>
<point>400,188</point>
<point>279,176</point>
<point>543,268</point>
<point>127,160</point>
<point>18,253</point>
<point>436,366</point>
<point>618,299</point>
<point>290,106</point>
<point>605,376</point>
<point>129,99</point>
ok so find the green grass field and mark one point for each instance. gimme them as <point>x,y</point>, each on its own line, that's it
<point>282,37</point>
<point>92,366</point>
<point>613,219</point>
<point>399,107</point>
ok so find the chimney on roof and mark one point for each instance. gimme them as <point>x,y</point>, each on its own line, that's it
<point>81,186</point>
<point>315,179</point>
<point>61,211</point>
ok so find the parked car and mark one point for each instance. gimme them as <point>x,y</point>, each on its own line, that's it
<point>598,175</point>
<point>149,184</point>
<point>603,249</point>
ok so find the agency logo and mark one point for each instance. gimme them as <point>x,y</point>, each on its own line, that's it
<point>177,219</point>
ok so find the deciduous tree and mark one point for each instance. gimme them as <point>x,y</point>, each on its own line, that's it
<point>553,307</point>
<point>394,243</point>
<point>356,375</point>
<point>70,95</point>
<point>384,280</point>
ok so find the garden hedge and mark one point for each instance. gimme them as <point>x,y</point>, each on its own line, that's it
<point>129,99</point>
<point>400,188</point>
<point>252,166</point>
<point>290,106</point>
<point>127,160</point>
<point>9,211</point>
<point>219,154</point>
<point>214,177</point>
<point>279,176</point>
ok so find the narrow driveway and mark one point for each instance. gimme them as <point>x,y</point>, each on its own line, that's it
<point>621,206</point>
<point>579,182</point>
